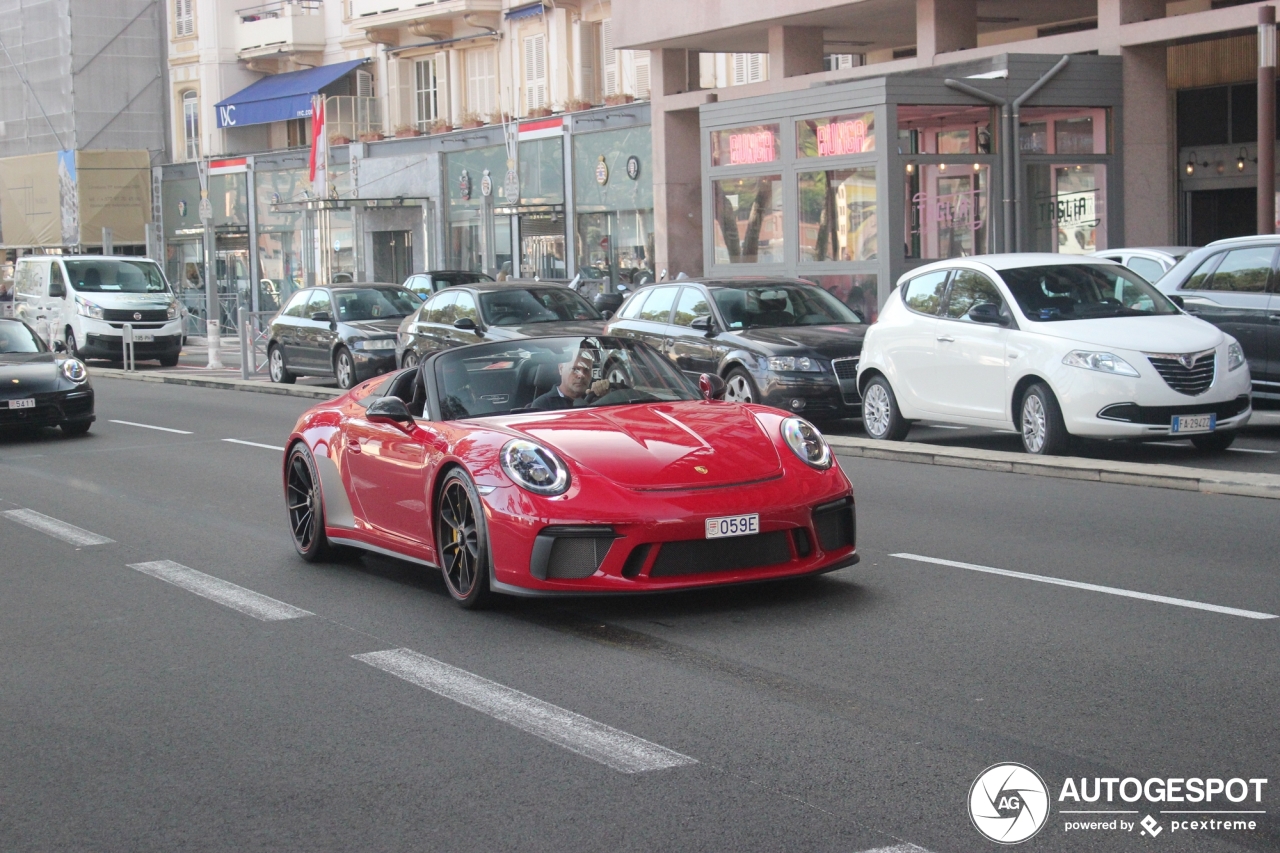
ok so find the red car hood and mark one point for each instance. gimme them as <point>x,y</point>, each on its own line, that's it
<point>660,446</point>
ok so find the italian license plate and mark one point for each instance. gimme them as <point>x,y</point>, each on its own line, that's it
<point>22,404</point>
<point>733,525</point>
<point>1193,423</point>
<point>143,337</point>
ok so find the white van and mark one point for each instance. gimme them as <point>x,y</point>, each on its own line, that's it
<point>83,301</point>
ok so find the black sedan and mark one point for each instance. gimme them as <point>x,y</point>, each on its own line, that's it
<point>780,342</point>
<point>39,387</point>
<point>347,331</point>
<point>496,311</point>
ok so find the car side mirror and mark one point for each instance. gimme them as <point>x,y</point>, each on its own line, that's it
<point>988,312</point>
<point>467,325</point>
<point>1178,300</point>
<point>59,346</point>
<point>711,386</point>
<point>608,315</point>
<point>58,291</point>
<point>389,409</point>
<point>322,317</point>
<point>702,324</point>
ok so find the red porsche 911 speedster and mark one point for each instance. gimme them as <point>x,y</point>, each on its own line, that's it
<point>571,465</point>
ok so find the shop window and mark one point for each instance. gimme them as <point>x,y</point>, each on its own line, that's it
<point>746,145</point>
<point>946,129</point>
<point>857,291</point>
<point>836,136</point>
<point>838,215</point>
<point>947,210</point>
<point>1066,208</point>
<point>616,245</point>
<point>748,220</point>
<point>1073,135</point>
<point>1064,130</point>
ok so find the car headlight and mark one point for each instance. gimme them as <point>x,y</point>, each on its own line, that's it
<point>383,343</point>
<point>172,313</point>
<point>74,370</point>
<point>806,442</point>
<point>535,468</point>
<point>1235,356</point>
<point>85,308</point>
<point>1103,362</point>
<point>792,363</point>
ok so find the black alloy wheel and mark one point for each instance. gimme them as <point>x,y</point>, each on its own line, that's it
<point>305,504</point>
<point>275,365</point>
<point>409,359</point>
<point>73,349</point>
<point>344,367</point>
<point>462,541</point>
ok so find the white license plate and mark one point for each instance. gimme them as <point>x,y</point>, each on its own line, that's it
<point>143,337</point>
<point>1193,423</point>
<point>22,404</point>
<point>733,525</point>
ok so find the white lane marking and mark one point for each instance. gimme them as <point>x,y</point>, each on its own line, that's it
<point>254,444</point>
<point>902,848</point>
<point>576,733</point>
<point>247,601</point>
<point>150,426</point>
<point>55,528</point>
<point>1110,590</point>
<point>1248,450</point>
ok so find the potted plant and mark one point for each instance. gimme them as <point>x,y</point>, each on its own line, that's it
<point>470,119</point>
<point>440,125</point>
<point>406,131</point>
<point>540,112</point>
<point>372,136</point>
<point>339,139</point>
<point>618,100</point>
<point>577,105</point>
<point>498,117</point>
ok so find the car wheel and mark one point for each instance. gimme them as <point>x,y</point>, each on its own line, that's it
<point>169,360</point>
<point>739,388</point>
<point>880,415</point>
<point>73,348</point>
<point>463,541</point>
<point>275,366</point>
<point>344,367</point>
<point>410,359</point>
<point>1043,431</point>
<point>1214,442</point>
<point>75,428</point>
<point>305,503</point>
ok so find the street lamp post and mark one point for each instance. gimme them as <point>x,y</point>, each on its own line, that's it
<point>1267,120</point>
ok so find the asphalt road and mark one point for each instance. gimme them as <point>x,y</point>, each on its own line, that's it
<point>846,713</point>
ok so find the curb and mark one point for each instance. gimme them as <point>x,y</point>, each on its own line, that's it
<point>216,382</point>
<point>1206,480</point>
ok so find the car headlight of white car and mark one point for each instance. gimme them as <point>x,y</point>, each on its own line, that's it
<point>806,442</point>
<point>534,467</point>
<point>794,363</point>
<point>85,308</point>
<point>381,344</point>
<point>1103,362</point>
<point>1235,356</point>
<point>173,311</point>
<point>74,370</point>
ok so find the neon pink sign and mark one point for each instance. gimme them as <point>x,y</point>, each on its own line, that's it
<point>757,147</point>
<point>842,137</point>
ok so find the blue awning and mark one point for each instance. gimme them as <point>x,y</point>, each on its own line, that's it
<point>526,11</point>
<point>279,97</point>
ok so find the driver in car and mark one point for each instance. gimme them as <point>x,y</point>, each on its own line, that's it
<point>576,387</point>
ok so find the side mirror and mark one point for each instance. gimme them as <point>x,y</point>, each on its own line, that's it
<point>608,315</point>
<point>988,312</point>
<point>702,324</point>
<point>322,317</point>
<point>1178,300</point>
<point>711,386</point>
<point>58,291</point>
<point>467,325</point>
<point>390,409</point>
<point>59,346</point>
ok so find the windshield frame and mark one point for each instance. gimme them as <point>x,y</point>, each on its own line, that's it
<point>7,323</point>
<point>821,295</point>
<point>1016,279</point>
<point>681,387</point>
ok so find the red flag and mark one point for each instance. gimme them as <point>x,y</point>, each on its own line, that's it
<point>319,147</point>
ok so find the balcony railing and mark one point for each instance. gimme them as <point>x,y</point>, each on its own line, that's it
<point>349,118</point>
<point>397,12</point>
<point>284,26</point>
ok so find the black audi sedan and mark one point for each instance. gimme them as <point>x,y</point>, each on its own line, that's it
<point>345,330</point>
<point>495,311</point>
<point>39,387</point>
<point>775,341</point>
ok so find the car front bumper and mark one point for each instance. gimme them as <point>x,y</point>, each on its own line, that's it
<point>815,395</point>
<point>51,409</point>
<point>373,362</point>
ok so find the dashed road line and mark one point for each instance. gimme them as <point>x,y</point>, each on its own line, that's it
<point>253,444</point>
<point>152,426</point>
<point>231,595</point>
<point>586,737</point>
<point>1249,450</point>
<point>55,528</point>
<point>898,848</point>
<point>1109,590</point>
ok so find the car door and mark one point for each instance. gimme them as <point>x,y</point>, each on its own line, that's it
<point>385,463</point>
<point>691,349</point>
<point>285,327</point>
<point>1230,290</point>
<point>651,325</point>
<point>971,359</point>
<point>431,334</point>
<point>624,324</point>
<point>1269,382</point>
<point>911,345</point>
<point>315,337</point>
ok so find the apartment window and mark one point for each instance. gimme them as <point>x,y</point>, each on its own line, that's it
<point>609,60</point>
<point>749,68</point>
<point>364,84</point>
<point>184,17</point>
<point>481,82</point>
<point>298,132</point>
<point>589,73</point>
<point>840,61</point>
<point>535,72</point>
<point>191,125</point>
<point>642,74</point>
<point>426,92</point>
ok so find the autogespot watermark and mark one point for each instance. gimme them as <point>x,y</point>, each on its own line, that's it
<point>1009,803</point>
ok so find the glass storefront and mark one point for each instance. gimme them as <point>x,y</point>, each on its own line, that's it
<point>838,215</point>
<point>613,194</point>
<point>282,242</point>
<point>748,223</point>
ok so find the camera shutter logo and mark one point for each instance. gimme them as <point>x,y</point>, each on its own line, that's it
<point>1008,803</point>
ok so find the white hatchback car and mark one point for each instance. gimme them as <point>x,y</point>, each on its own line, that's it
<point>1054,346</point>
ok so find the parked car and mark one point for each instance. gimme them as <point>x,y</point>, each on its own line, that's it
<point>775,341</point>
<point>493,311</point>
<point>345,330</point>
<point>1235,285</point>
<point>426,284</point>
<point>1150,262</point>
<point>654,485</point>
<point>84,301</point>
<point>1055,347</point>
<point>39,387</point>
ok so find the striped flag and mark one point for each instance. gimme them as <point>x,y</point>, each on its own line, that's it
<point>319,149</point>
